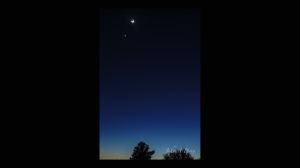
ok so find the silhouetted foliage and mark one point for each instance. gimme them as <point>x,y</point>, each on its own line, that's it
<point>141,152</point>
<point>178,155</point>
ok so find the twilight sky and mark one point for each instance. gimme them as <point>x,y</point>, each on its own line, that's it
<point>149,80</point>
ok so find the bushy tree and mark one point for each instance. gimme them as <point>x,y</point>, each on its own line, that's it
<point>178,155</point>
<point>141,152</point>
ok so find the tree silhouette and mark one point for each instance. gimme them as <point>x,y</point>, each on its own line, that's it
<point>141,152</point>
<point>178,155</point>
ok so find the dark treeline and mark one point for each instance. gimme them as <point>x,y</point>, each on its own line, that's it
<point>141,152</point>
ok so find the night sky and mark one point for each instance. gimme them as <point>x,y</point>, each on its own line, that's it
<point>149,81</point>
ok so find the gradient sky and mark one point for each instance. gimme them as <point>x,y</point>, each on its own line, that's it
<point>149,81</point>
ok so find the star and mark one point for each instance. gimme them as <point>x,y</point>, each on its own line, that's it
<point>132,21</point>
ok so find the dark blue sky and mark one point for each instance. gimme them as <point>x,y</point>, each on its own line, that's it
<point>149,81</point>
